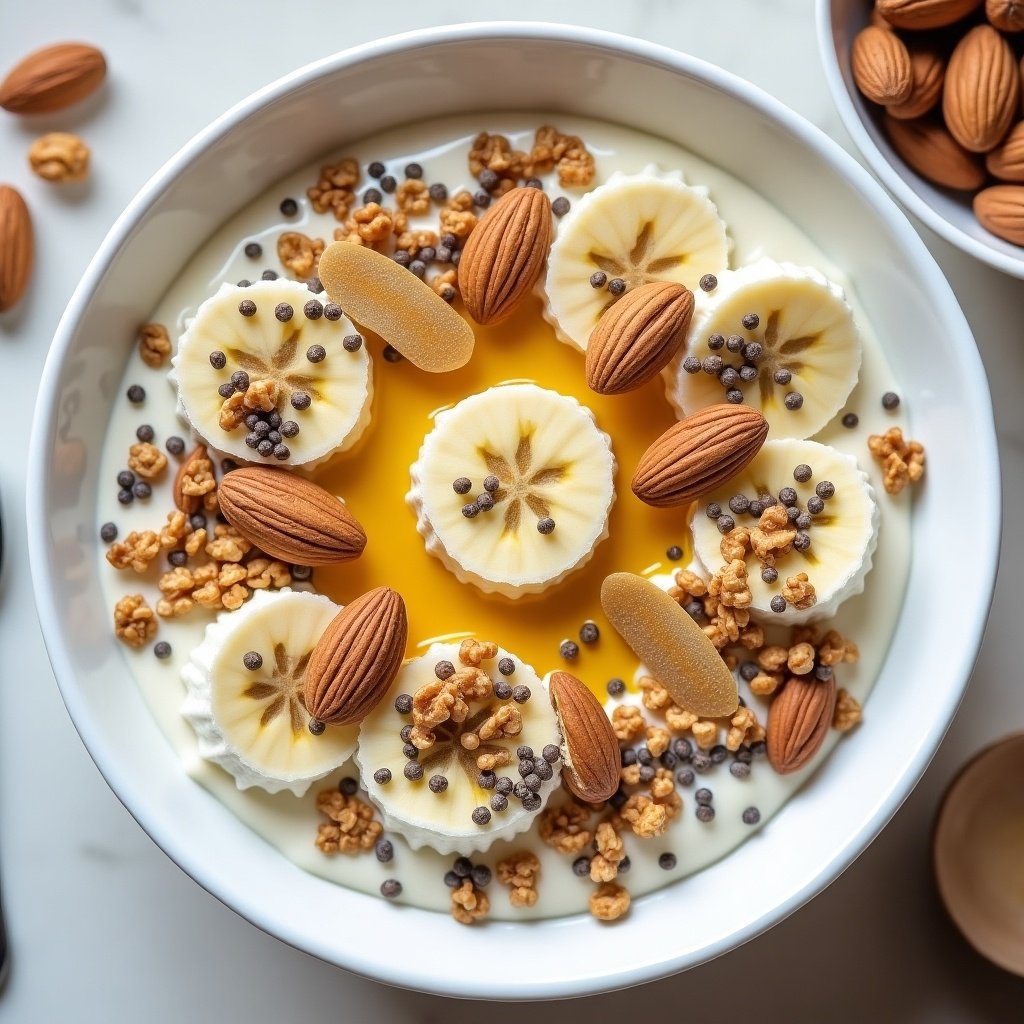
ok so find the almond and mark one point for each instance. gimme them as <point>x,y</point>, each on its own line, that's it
<point>17,247</point>
<point>881,66</point>
<point>798,722</point>
<point>979,100</point>
<point>918,14</point>
<point>931,151</point>
<point>638,336</point>
<point>1000,209</point>
<point>53,78</point>
<point>699,454</point>
<point>289,517</point>
<point>589,746</point>
<point>1006,15</point>
<point>673,648</point>
<point>927,71</point>
<point>505,255</point>
<point>1006,161</point>
<point>356,660</point>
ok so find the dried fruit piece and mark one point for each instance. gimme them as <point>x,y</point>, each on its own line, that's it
<point>1000,209</point>
<point>53,78</point>
<point>407,313</point>
<point>881,66</point>
<point>931,151</point>
<point>798,722</point>
<point>17,247</point>
<point>589,747</point>
<point>670,644</point>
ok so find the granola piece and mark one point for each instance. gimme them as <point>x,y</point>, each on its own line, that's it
<point>423,738</point>
<point>335,188</point>
<point>232,412</point>
<point>488,762</point>
<point>351,826</point>
<point>473,651</point>
<point>197,479</point>
<point>134,624</point>
<point>446,285</point>
<point>690,583</point>
<point>262,573</point>
<point>847,713</point>
<point>174,531</point>
<point>800,660</point>
<point>495,153</point>
<point>752,636</point>
<point>567,153</point>
<point>174,608</point>
<point>773,536</point>
<point>565,827</point>
<point>735,544</point>
<point>457,217</point>
<point>370,225</point>
<point>799,591</point>
<point>604,866</point>
<point>229,574</point>
<point>196,542</point>
<point>773,657</point>
<point>646,818</point>
<point>438,701</point>
<point>679,720</point>
<point>469,903</point>
<point>136,551</point>
<point>474,684</point>
<point>630,774</point>
<point>726,624</point>
<point>764,684</point>
<point>412,197</point>
<point>234,597</point>
<point>146,460</point>
<point>628,723</point>
<point>609,902</point>
<point>154,345</point>
<point>662,785</point>
<point>657,740</point>
<point>178,582</point>
<point>208,595</point>
<point>655,696</point>
<point>520,872</point>
<point>811,634</point>
<point>506,721</point>
<point>413,241</point>
<point>835,649</point>
<point>741,726</point>
<point>705,733</point>
<point>728,588</point>
<point>228,545</point>
<point>261,395</point>
<point>299,254</point>
<point>902,461</point>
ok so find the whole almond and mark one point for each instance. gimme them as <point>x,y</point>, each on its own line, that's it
<point>931,151</point>
<point>505,255</point>
<point>590,749</point>
<point>881,66</point>
<point>356,660</point>
<point>1006,161</point>
<point>17,247</point>
<point>53,78</point>
<point>1006,15</point>
<point>982,89</point>
<point>919,14</point>
<point>289,517</point>
<point>699,454</point>
<point>673,648</point>
<point>1000,209</point>
<point>927,71</point>
<point>638,336</point>
<point>799,718</point>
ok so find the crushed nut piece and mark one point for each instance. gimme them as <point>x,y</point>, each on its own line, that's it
<point>352,827</point>
<point>799,592</point>
<point>679,720</point>
<point>800,660</point>
<point>705,733</point>
<point>735,544</point>
<point>299,254</point>
<point>741,727</point>
<point>457,217</point>
<point>261,395</point>
<point>370,225</point>
<point>646,818</point>
<point>847,713</point>
<point>474,684</point>
<point>609,902</point>
<point>147,460</point>
<point>902,461</point>
<point>520,872</point>
<point>196,542</point>
<point>261,573</point>
<point>610,853</point>
<point>567,153</point>
<point>175,530</point>
<point>495,153</point>
<point>772,657</point>
<point>154,345</point>
<point>228,545</point>
<point>438,701</point>
<point>506,721</point>
<point>835,649</point>
<point>773,536</point>
<point>412,197</point>
<point>764,684</point>
<point>729,588</point>
<point>565,827</point>
<point>59,157</point>
<point>630,774</point>
<point>657,740</point>
<point>335,188</point>
<point>469,903</point>
<point>690,583</point>
<point>133,620</point>
<point>655,696</point>
<point>232,412</point>
<point>413,241</point>
<point>488,762</point>
<point>136,551</point>
<point>473,651</point>
<point>446,285</point>
<point>628,723</point>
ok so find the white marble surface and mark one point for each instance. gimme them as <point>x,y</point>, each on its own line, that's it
<point>103,926</point>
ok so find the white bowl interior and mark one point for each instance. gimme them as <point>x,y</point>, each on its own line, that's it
<point>946,212</point>
<point>489,67</point>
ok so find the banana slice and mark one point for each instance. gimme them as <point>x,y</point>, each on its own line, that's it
<point>253,721</point>
<point>452,804</point>
<point>778,337</point>
<point>638,228</point>
<point>831,536</point>
<point>311,391</point>
<point>513,487</point>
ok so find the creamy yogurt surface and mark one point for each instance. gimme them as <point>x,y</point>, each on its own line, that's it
<point>288,822</point>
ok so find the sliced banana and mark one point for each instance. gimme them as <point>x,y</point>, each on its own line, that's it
<point>550,470</point>
<point>253,721</point>
<point>638,228</point>
<point>441,815</point>
<point>839,540</point>
<point>279,348</point>
<point>807,350</point>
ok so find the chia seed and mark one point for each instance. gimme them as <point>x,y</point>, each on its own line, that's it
<point>376,169</point>
<point>712,365</point>
<point>667,861</point>
<point>734,343</point>
<point>390,888</point>
<point>739,503</point>
<point>802,540</point>
<point>616,286</point>
<point>751,816</point>
<point>372,195</point>
<point>348,786</point>
<point>462,485</point>
<point>247,307</point>
<point>890,400</point>
<point>815,506</point>
<point>802,473</point>
<point>391,354</point>
<point>411,751</point>
<point>769,574</point>
<point>136,394</point>
<point>316,353</point>
<point>615,687</point>
<point>708,283</point>
<point>589,633</point>
<point>481,815</point>
<point>683,749</point>
<point>289,207</point>
<point>569,649</point>
<point>481,875</point>
<point>532,802</point>
<point>384,850</point>
<point>521,694</point>
<point>685,777</point>
<point>388,183</point>
<point>352,342</point>
<point>300,400</point>
<point>715,342</point>
<point>162,650</point>
<point>462,867</point>
<point>718,753</point>
<point>726,524</point>
<point>560,207</point>
<point>413,771</point>
<point>502,690</point>
<point>550,753</point>
<point>825,490</point>
<point>751,321</point>
<point>316,727</point>
<point>506,666</point>
<point>452,880</point>
<point>382,776</point>
<point>175,445</point>
<point>753,351</point>
<point>437,783</point>
<point>705,814</point>
<point>778,604</point>
<point>598,279</point>
<point>499,802</point>
<point>332,311</point>
<point>691,364</point>
<point>713,511</point>
<point>503,785</point>
<point>438,192</point>
<point>108,532</point>
<point>252,660</point>
<point>647,773</point>
<point>788,496</point>
<point>739,769</point>
<point>403,703</point>
<point>444,670</point>
<point>141,489</point>
<point>268,275</point>
<point>253,250</point>
<point>313,310</point>
<point>581,867</point>
<point>850,420</point>
<point>700,762</point>
<point>485,780</point>
<point>674,553</point>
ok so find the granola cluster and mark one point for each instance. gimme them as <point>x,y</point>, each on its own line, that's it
<point>902,461</point>
<point>133,621</point>
<point>154,345</point>
<point>299,254</point>
<point>469,903</point>
<point>520,872</point>
<point>552,150</point>
<point>350,828</point>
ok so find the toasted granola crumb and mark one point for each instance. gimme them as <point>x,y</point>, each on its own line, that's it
<point>473,651</point>
<point>773,657</point>
<point>228,545</point>
<point>146,460</point>
<point>628,723</point>
<point>567,153</point>
<point>800,660</point>
<point>705,733</point>
<point>495,153</point>
<point>488,762</point>
<point>136,551</point>
<point>299,254</point>
<point>469,904</point>
<point>646,818</point>
<point>196,542</point>
<point>902,461</point>
<point>174,531</point>
<point>729,586</point>
<point>610,853</point>
<point>263,573</point>
<point>799,592</point>
<point>370,225</point>
<point>773,536</point>
<point>655,696</point>
<point>507,720</point>
<point>657,740</point>
<point>232,412</point>
<point>630,774</point>
<point>457,217</point>
<point>413,197</point>
<point>764,684</point>
<point>847,713</point>
<point>735,544</point>
<point>335,188</point>
<point>261,395</point>
<point>520,872</point>
<point>413,241</point>
<point>134,624</point>
<point>438,701</point>
<point>834,648</point>
<point>154,345</point>
<point>743,728</point>
<point>690,583</point>
<point>351,826</point>
<point>565,827</point>
<point>609,902</point>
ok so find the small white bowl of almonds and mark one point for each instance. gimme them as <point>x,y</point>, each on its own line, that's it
<point>931,92</point>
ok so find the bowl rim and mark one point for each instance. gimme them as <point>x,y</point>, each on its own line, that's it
<point>885,170</point>
<point>44,427</point>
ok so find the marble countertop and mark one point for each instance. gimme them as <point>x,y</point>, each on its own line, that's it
<point>103,926</point>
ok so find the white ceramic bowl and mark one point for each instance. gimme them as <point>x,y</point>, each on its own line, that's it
<point>486,67</point>
<point>946,212</point>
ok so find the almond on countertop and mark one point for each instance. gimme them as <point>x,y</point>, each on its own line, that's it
<point>799,719</point>
<point>17,247</point>
<point>931,151</point>
<point>1000,209</point>
<point>589,747</point>
<point>505,254</point>
<point>921,14</point>
<point>637,337</point>
<point>356,660</point>
<point>53,78</point>
<point>290,518</point>
<point>881,66</point>
<point>699,454</point>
